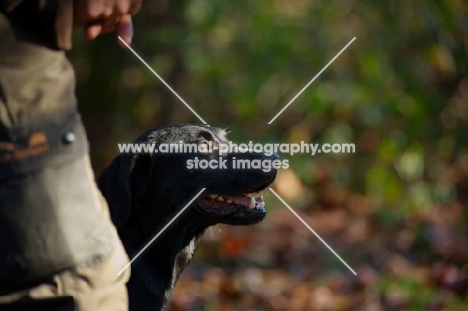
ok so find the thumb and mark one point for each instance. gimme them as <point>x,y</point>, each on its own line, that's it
<point>125,29</point>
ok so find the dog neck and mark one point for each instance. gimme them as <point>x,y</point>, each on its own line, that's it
<point>155,273</point>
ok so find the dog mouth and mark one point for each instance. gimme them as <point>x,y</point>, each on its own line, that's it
<point>249,207</point>
<point>253,201</point>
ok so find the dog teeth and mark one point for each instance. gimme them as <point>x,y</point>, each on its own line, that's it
<point>213,196</point>
<point>220,198</point>
<point>229,201</point>
<point>252,203</point>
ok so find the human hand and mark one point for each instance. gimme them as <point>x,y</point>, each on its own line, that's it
<point>102,16</point>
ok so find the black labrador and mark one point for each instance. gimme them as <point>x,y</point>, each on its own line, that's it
<point>145,191</point>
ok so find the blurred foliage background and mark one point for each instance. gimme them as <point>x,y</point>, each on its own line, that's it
<point>396,210</point>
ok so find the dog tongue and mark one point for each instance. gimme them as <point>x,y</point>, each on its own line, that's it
<point>243,199</point>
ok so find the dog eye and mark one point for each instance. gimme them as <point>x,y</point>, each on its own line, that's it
<point>207,135</point>
<point>202,148</point>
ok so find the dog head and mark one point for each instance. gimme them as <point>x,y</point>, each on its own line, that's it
<point>161,184</point>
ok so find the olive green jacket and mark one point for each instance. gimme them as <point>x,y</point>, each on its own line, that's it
<point>49,208</point>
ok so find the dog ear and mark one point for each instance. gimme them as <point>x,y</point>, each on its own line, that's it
<point>124,181</point>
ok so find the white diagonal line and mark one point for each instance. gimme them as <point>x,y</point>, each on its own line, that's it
<point>154,72</point>
<point>312,230</point>
<point>316,76</point>
<point>159,233</point>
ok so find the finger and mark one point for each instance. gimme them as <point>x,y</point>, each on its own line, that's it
<point>134,7</point>
<point>122,7</point>
<point>110,23</point>
<point>99,9</point>
<point>125,29</point>
<point>92,31</point>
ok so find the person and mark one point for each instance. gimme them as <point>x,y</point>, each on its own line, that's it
<point>58,248</point>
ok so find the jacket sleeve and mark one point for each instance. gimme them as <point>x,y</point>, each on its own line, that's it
<point>50,21</point>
